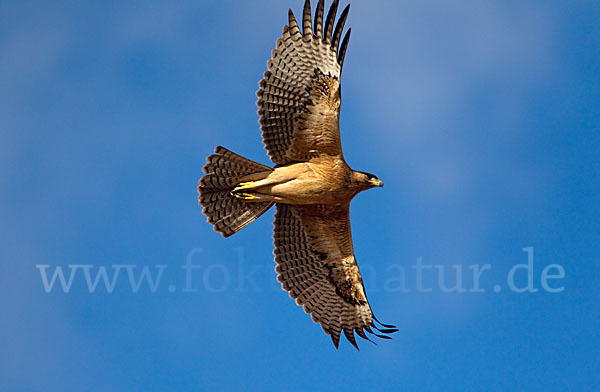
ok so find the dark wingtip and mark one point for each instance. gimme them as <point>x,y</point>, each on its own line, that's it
<point>360,332</point>
<point>343,48</point>
<point>388,330</point>
<point>330,19</point>
<point>350,336</point>
<point>336,340</point>
<point>368,328</point>
<point>318,25</point>
<point>384,325</point>
<point>339,27</point>
<point>306,20</point>
<point>292,20</point>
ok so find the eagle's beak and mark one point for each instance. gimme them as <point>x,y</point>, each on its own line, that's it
<point>376,182</point>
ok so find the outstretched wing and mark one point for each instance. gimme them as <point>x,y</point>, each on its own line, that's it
<point>299,95</point>
<point>316,265</point>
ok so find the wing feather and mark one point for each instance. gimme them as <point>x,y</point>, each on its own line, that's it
<point>335,322</point>
<point>319,19</point>
<point>316,265</point>
<point>342,52</point>
<point>349,333</point>
<point>293,23</point>
<point>299,118</point>
<point>330,19</point>
<point>306,20</point>
<point>339,27</point>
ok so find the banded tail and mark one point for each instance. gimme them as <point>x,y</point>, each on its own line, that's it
<point>227,213</point>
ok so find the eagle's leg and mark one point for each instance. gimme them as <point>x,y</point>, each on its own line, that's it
<point>263,180</point>
<point>252,181</point>
<point>261,186</point>
<point>254,196</point>
<point>244,185</point>
<point>245,195</point>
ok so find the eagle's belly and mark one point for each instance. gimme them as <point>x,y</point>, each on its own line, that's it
<point>306,183</point>
<point>304,192</point>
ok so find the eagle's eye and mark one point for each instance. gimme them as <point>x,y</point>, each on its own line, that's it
<point>373,180</point>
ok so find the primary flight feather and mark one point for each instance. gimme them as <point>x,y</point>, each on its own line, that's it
<point>311,184</point>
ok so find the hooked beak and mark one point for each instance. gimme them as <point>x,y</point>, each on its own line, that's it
<point>376,182</point>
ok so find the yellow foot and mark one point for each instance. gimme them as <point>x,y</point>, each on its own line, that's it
<point>244,196</point>
<point>243,186</point>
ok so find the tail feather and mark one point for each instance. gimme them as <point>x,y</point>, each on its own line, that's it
<point>225,212</point>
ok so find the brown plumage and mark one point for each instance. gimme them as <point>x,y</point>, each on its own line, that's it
<point>299,106</point>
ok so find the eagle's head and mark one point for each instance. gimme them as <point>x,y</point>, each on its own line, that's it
<point>366,180</point>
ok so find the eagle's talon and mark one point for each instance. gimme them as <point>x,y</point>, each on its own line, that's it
<point>243,186</point>
<point>244,195</point>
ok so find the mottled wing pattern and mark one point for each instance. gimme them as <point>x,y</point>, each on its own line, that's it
<point>316,265</point>
<point>299,95</point>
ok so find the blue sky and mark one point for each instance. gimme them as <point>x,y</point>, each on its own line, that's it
<point>482,118</point>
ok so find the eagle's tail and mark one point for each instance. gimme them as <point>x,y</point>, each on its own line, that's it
<point>226,212</point>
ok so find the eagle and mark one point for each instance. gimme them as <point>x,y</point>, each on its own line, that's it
<point>310,184</point>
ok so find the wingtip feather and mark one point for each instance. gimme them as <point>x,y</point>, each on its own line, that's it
<point>336,340</point>
<point>350,336</point>
<point>339,27</point>
<point>330,19</point>
<point>292,21</point>
<point>342,53</point>
<point>318,26</point>
<point>306,19</point>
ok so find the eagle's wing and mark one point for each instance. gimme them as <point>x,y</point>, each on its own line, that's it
<point>299,96</point>
<point>316,264</point>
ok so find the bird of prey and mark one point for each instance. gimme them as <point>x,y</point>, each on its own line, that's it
<point>311,184</point>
